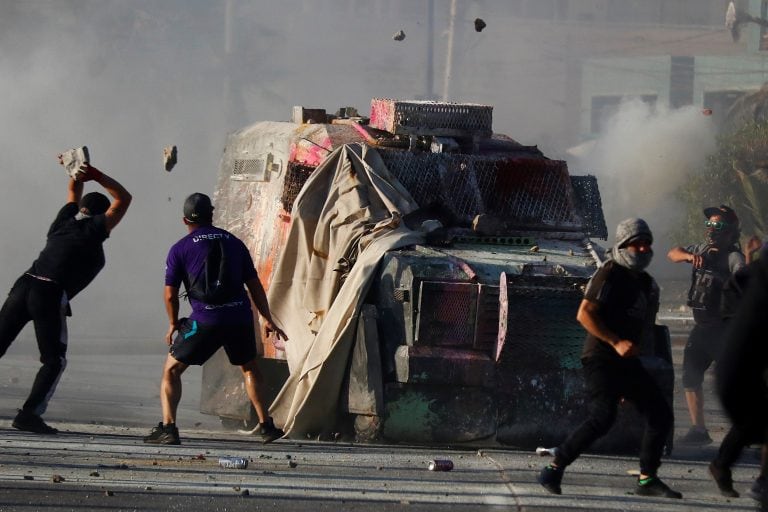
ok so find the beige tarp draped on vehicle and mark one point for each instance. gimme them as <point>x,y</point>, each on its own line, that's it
<point>349,210</point>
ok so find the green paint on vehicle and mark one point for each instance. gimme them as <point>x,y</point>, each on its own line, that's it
<point>410,413</point>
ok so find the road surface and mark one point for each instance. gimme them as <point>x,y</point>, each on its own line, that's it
<point>108,399</point>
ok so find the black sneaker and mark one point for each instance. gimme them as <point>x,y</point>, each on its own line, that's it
<point>163,434</point>
<point>550,478</point>
<point>695,437</point>
<point>269,432</point>
<point>31,422</point>
<point>724,480</point>
<point>655,487</point>
<point>757,491</point>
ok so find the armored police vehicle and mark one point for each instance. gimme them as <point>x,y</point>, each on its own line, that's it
<point>468,336</point>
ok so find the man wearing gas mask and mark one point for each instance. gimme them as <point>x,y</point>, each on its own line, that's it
<point>713,262</point>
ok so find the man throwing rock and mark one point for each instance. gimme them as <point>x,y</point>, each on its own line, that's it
<point>72,257</point>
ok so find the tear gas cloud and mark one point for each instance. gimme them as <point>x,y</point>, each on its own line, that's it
<point>644,155</point>
<point>128,78</point>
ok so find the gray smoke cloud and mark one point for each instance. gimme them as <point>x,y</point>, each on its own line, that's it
<point>129,77</point>
<point>74,76</point>
<point>644,155</point>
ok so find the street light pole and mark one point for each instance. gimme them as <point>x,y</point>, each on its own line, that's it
<point>449,52</point>
<point>430,72</point>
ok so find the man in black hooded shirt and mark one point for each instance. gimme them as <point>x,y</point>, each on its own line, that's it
<point>73,255</point>
<point>618,312</point>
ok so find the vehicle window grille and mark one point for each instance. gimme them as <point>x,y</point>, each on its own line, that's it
<point>251,168</point>
<point>402,117</point>
<point>541,328</point>
<point>589,205</point>
<point>447,314</point>
<point>524,191</point>
<point>295,178</point>
<point>487,325</point>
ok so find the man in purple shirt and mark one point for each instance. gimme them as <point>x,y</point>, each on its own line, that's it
<point>224,321</point>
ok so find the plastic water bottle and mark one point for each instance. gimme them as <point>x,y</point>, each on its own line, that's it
<point>233,462</point>
<point>543,452</point>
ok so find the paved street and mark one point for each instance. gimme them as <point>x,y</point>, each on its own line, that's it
<point>102,464</point>
<point>108,468</point>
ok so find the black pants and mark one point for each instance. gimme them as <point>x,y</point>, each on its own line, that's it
<point>608,379</point>
<point>45,304</point>
<point>734,442</point>
<point>741,380</point>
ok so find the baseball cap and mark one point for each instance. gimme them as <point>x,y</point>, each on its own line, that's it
<point>726,212</point>
<point>198,208</point>
<point>96,203</point>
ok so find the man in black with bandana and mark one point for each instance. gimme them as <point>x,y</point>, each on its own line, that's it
<point>618,312</point>
<point>73,255</point>
<point>713,262</point>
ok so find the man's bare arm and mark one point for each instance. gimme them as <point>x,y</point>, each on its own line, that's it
<point>589,318</point>
<point>678,254</point>
<point>74,191</point>
<point>74,188</point>
<point>171,299</point>
<point>260,300</point>
<point>121,198</point>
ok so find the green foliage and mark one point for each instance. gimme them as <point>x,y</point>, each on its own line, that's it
<point>736,175</point>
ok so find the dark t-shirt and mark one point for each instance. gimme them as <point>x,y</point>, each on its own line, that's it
<point>186,260</point>
<point>733,291</point>
<point>722,264</point>
<point>628,302</point>
<point>742,368</point>
<point>74,252</point>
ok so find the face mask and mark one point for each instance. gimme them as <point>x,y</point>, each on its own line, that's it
<point>718,238</point>
<point>636,261</point>
<point>81,216</point>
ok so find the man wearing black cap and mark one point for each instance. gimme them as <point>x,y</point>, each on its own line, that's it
<point>213,265</point>
<point>619,311</point>
<point>73,255</point>
<point>713,262</point>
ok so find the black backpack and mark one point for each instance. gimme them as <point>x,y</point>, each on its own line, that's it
<point>214,285</point>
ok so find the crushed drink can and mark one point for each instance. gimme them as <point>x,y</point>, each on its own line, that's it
<point>233,462</point>
<point>440,465</point>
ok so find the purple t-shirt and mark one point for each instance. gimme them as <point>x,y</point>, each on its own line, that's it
<point>187,258</point>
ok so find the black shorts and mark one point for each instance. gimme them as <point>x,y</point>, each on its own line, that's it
<point>195,343</point>
<point>705,342</point>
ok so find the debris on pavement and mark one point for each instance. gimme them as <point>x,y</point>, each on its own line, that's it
<point>440,465</point>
